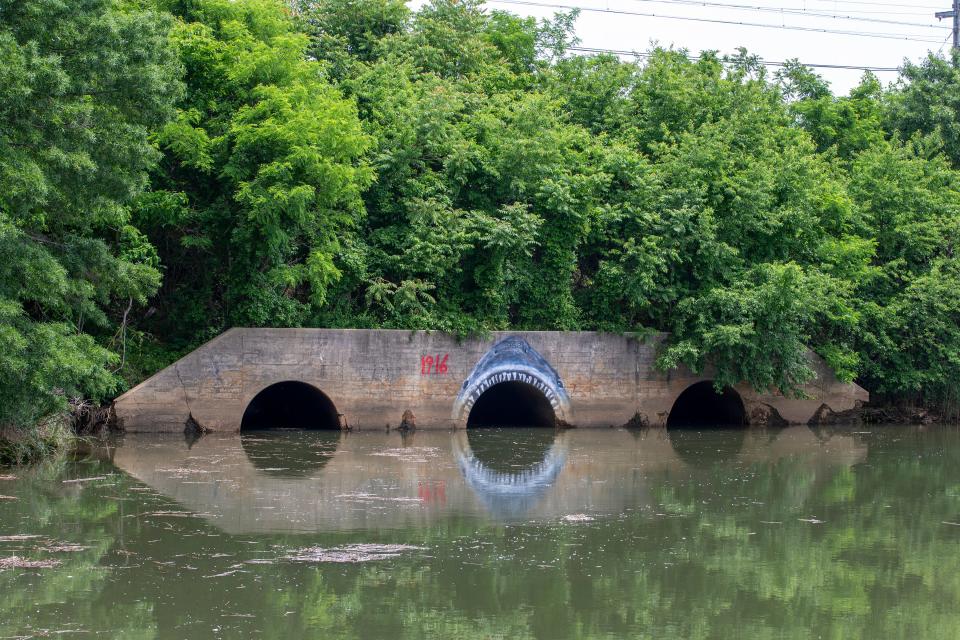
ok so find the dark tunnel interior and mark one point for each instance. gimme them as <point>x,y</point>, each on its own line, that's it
<point>701,406</point>
<point>290,405</point>
<point>512,404</point>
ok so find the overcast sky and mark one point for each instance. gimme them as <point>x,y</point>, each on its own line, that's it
<point>902,19</point>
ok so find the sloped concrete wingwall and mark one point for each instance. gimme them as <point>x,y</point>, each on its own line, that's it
<point>374,376</point>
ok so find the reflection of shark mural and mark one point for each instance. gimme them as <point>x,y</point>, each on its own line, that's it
<point>513,360</point>
<point>509,495</point>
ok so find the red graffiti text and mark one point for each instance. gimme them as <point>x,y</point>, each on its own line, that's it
<point>433,365</point>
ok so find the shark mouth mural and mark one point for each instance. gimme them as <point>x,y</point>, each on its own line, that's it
<point>513,360</point>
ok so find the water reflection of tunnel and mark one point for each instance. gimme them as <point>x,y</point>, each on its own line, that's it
<point>512,404</point>
<point>707,447</point>
<point>510,450</point>
<point>290,405</point>
<point>290,454</point>
<point>701,406</point>
<point>510,470</point>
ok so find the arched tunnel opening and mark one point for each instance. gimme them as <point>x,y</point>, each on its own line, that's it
<point>290,405</point>
<point>701,406</point>
<point>706,427</point>
<point>512,404</point>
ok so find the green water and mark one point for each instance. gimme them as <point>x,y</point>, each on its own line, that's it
<point>787,533</point>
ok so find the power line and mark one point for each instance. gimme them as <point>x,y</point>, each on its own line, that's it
<point>940,50</point>
<point>766,63</point>
<point>813,13</point>
<point>882,12</point>
<point>880,4</point>
<point>860,34</point>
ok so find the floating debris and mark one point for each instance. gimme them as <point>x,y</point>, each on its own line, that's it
<point>577,517</point>
<point>19,537</point>
<point>369,497</point>
<point>170,514</point>
<point>183,471</point>
<point>224,574</point>
<point>352,553</point>
<point>952,524</point>
<point>410,454</point>
<point>16,562</point>
<point>75,480</point>
<point>8,497</point>
<point>63,548</point>
<point>8,477</point>
<point>811,520</point>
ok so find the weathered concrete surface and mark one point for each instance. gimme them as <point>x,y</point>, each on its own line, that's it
<point>373,377</point>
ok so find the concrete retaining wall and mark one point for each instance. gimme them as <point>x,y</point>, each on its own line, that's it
<point>373,376</point>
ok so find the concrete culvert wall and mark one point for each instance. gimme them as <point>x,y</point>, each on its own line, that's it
<point>512,404</point>
<point>701,406</point>
<point>290,405</point>
<point>373,376</point>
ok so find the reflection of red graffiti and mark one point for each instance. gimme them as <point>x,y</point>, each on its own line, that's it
<point>430,365</point>
<point>432,491</point>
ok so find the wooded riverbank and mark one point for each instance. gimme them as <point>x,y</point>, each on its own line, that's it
<point>173,168</point>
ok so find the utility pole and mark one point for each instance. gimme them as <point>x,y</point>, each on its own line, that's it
<point>955,14</point>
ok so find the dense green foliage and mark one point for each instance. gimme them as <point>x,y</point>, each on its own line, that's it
<point>353,163</point>
<point>261,174</point>
<point>82,85</point>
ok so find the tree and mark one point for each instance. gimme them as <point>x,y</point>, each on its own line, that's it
<point>926,102</point>
<point>910,212</point>
<point>714,226</point>
<point>81,87</point>
<point>258,191</point>
<point>483,190</point>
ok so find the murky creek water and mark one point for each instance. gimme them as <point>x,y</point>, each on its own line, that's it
<point>789,533</point>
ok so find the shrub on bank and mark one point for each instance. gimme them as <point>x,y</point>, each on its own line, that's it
<point>51,436</point>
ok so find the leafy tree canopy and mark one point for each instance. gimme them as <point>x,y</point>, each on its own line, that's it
<point>259,185</point>
<point>82,85</point>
